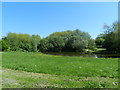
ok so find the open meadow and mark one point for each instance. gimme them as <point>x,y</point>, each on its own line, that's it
<point>60,44</point>
<point>28,69</point>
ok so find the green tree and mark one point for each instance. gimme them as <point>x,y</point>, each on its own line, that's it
<point>4,46</point>
<point>22,42</point>
<point>35,39</point>
<point>44,45</point>
<point>91,44</point>
<point>75,40</point>
<point>78,41</point>
<point>100,40</point>
<point>111,38</point>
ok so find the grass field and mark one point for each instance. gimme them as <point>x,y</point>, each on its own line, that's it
<point>40,70</point>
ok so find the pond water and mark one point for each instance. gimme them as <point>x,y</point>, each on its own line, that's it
<point>85,55</point>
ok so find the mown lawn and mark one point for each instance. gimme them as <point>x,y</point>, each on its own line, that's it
<point>63,71</point>
<point>22,79</point>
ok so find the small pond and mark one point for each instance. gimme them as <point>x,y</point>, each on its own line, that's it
<point>85,55</point>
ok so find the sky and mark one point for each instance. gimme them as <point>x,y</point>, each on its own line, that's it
<point>44,18</point>
<point>60,0</point>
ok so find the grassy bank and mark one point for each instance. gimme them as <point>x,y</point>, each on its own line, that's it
<point>60,65</point>
<point>102,72</point>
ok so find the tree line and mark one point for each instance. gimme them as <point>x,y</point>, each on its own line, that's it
<point>20,42</point>
<point>66,41</point>
<point>110,39</point>
<point>71,41</point>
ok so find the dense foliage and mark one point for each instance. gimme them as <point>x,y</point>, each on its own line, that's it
<point>20,42</point>
<point>110,39</point>
<point>74,41</point>
<point>67,41</point>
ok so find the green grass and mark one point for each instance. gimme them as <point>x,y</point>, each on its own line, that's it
<point>99,72</point>
<point>22,79</point>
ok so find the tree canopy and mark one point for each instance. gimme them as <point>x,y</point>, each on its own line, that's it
<point>75,41</point>
<point>110,39</point>
<point>20,42</point>
<point>66,41</point>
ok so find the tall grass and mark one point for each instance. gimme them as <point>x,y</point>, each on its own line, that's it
<point>61,65</point>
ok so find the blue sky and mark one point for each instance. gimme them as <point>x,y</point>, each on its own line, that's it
<point>44,18</point>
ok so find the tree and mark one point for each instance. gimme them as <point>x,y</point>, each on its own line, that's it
<point>22,42</point>
<point>67,41</point>
<point>4,46</point>
<point>44,45</point>
<point>99,40</point>
<point>111,38</point>
<point>57,43</point>
<point>91,44</point>
<point>78,41</point>
<point>35,39</point>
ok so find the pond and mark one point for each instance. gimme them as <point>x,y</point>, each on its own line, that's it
<point>85,55</point>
